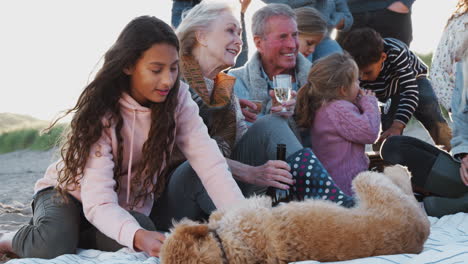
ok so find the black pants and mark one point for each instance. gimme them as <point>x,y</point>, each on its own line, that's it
<point>388,23</point>
<point>59,227</point>
<point>421,159</point>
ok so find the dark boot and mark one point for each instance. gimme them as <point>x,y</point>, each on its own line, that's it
<point>313,180</point>
<point>440,206</point>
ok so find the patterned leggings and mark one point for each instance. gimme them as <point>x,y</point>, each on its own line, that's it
<point>313,181</point>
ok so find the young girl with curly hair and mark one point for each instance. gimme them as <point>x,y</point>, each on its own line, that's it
<point>113,163</point>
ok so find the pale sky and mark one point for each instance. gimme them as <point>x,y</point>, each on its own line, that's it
<point>49,48</point>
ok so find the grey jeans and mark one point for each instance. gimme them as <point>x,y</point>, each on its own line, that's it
<point>59,227</point>
<point>185,196</point>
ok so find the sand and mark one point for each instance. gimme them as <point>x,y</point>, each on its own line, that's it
<point>18,172</point>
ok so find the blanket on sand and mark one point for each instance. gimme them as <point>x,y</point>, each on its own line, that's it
<point>447,243</point>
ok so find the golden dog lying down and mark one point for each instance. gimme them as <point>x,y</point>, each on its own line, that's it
<point>386,220</point>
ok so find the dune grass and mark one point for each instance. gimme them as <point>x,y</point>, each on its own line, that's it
<point>30,138</point>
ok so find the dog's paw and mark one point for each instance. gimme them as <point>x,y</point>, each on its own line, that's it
<point>400,176</point>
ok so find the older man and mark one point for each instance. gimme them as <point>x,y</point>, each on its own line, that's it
<point>275,35</point>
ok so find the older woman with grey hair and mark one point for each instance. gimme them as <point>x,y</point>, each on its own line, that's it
<point>210,41</point>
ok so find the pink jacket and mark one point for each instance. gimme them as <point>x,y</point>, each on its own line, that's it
<point>339,134</point>
<point>108,211</point>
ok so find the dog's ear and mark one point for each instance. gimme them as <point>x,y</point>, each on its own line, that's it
<point>197,231</point>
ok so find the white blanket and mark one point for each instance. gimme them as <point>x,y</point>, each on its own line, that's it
<point>447,243</point>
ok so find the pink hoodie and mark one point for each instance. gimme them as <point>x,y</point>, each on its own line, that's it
<point>108,211</point>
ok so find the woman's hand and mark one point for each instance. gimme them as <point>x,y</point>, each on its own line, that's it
<point>148,241</point>
<point>276,107</point>
<point>249,115</point>
<point>398,7</point>
<point>464,169</point>
<point>273,173</point>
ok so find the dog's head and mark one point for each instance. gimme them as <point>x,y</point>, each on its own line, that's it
<point>191,242</point>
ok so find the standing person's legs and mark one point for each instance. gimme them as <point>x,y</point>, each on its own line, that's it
<point>326,47</point>
<point>392,25</point>
<point>429,114</point>
<point>178,7</point>
<point>387,23</point>
<point>360,20</point>
<point>244,55</point>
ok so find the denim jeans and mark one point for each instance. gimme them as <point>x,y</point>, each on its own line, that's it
<point>428,113</point>
<point>178,7</point>
<point>388,23</point>
<point>326,47</point>
<point>59,227</point>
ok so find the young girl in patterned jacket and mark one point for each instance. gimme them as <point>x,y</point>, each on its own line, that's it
<point>113,163</point>
<point>342,117</point>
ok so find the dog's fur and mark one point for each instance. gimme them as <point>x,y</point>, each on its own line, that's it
<point>386,220</point>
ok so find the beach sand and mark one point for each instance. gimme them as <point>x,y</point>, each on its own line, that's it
<point>19,171</point>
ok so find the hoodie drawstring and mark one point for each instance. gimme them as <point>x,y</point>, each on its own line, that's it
<point>130,159</point>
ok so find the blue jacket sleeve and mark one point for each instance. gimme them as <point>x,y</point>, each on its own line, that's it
<point>342,12</point>
<point>459,140</point>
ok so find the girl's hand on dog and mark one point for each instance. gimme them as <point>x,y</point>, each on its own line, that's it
<point>273,173</point>
<point>148,241</point>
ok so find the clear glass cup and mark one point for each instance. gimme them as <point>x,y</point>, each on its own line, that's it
<point>385,107</point>
<point>259,104</point>
<point>282,85</point>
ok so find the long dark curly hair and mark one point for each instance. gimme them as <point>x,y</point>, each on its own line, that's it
<point>100,98</point>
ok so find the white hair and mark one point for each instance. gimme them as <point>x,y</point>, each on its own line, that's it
<point>261,16</point>
<point>200,18</point>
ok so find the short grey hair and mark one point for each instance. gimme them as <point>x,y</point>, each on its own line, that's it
<point>199,18</point>
<point>261,16</point>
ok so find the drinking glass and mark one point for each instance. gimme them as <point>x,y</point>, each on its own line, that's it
<point>385,107</point>
<point>282,85</point>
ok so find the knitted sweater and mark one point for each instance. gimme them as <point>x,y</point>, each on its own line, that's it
<point>339,133</point>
